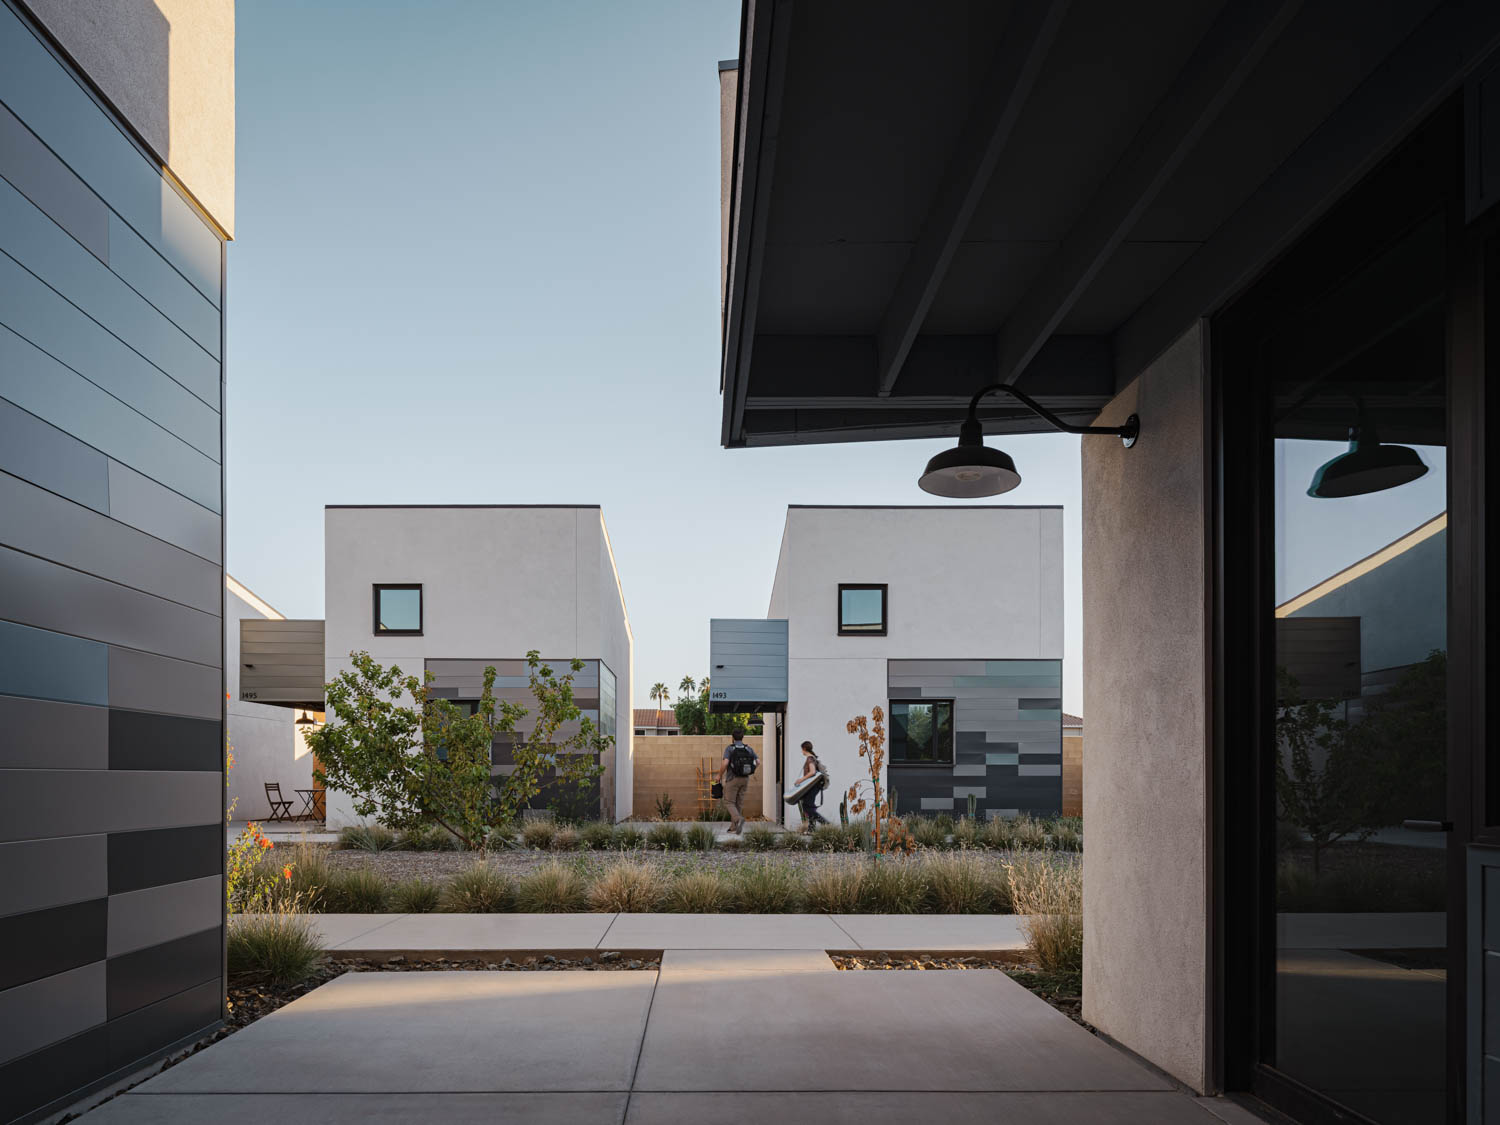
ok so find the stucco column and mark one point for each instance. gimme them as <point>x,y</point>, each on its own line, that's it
<point>1145,633</point>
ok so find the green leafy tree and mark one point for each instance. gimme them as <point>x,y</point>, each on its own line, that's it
<point>416,760</point>
<point>694,717</point>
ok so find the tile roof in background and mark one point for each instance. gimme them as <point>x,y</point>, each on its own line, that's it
<point>645,717</point>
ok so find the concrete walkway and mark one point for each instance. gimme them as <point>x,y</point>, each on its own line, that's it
<point>740,1035</point>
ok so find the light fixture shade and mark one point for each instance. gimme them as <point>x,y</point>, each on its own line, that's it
<point>1368,467</point>
<point>970,471</point>
<point>305,720</point>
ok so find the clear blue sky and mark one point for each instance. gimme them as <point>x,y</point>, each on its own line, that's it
<point>477,261</point>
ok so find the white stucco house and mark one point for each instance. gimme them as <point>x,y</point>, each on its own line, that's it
<point>266,742</point>
<point>451,590</point>
<point>948,618</point>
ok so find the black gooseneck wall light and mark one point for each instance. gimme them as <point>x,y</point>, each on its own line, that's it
<point>1368,467</point>
<point>973,469</point>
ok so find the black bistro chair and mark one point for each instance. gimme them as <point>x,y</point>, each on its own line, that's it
<point>281,809</point>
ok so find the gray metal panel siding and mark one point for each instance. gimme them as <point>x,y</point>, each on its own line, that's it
<point>747,660</point>
<point>111,589</point>
<point>42,734</point>
<point>281,661</point>
<point>1006,755</point>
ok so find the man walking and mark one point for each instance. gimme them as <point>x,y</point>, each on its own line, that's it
<point>739,766</point>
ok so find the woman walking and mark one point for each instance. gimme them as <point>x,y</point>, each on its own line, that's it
<point>808,804</point>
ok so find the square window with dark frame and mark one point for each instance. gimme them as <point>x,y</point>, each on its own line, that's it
<point>862,609</point>
<point>921,732</point>
<point>398,610</point>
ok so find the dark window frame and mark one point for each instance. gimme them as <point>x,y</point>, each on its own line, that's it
<point>375,626</point>
<point>885,609</point>
<point>930,763</point>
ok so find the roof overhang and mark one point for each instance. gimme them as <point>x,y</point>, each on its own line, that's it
<point>925,200</point>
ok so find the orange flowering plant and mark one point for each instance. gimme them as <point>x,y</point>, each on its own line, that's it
<point>249,886</point>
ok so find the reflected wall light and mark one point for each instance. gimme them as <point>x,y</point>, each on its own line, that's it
<point>973,469</point>
<point>1368,466</point>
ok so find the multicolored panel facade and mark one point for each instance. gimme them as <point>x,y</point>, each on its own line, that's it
<point>1006,738</point>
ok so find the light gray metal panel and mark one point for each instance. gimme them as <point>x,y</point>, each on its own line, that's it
<point>157,914</point>
<point>157,510</point>
<point>40,593</point>
<point>748,660</point>
<point>44,734</point>
<point>50,184</point>
<point>57,529</point>
<point>969,770</point>
<point>41,804</point>
<point>53,1008</point>
<point>45,665</point>
<point>963,792</point>
<point>933,804</point>
<point>47,251</point>
<point>36,451</point>
<point>36,312</point>
<point>917,671</point>
<point>141,681</point>
<point>148,273</point>
<point>53,392</point>
<point>1039,771</point>
<point>37,874</point>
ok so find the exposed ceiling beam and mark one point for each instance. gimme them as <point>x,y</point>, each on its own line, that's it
<point>1007,84</point>
<point>1225,57</point>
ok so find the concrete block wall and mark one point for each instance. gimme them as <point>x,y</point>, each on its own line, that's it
<point>669,763</point>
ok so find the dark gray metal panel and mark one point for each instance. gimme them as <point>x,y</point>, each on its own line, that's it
<point>38,314</point>
<point>50,184</point>
<point>43,804</point>
<point>47,596</point>
<point>50,1009</point>
<point>46,665</point>
<point>47,251</point>
<point>37,874</point>
<point>157,914</point>
<point>37,382</point>
<point>157,510</point>
<point>1483,1042</point>
<point>150,275</point>
<point>34,450</point>
<point>144,682</point>
<point>43,524</point>
<point>45,734</point>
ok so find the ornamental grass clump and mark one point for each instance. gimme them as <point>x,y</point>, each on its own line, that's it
<point>958,883</point>
<point>925,832</point>
<point>310,878</point>
<point>829,838</point>
<point>628,887</point>
<point>1027,834</point>
<point>538,834</point>
<point>368,838</point>
<point>595,836</point>
<point>836,889</point>
<point>665,838</point>
<point>1066,833</point>
<point>700,892</point>
<point>793,841</point>
<point>355,891</point>
<point>415,896</point>
<point>551,888</point>
<point>277,948</point>
<point>1048,892</point>
<point>759,838</point>
<point>893,886</point>
<point>627,838</point>
<point>996,833</point>
<point>478,889</point>
<point>699,838</point>
<point>427,838</point>
<point>565,839</point>
<point>767,887</point>
<point>966,833</point>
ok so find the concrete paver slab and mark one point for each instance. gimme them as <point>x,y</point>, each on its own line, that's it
<point>683,963</point>
<point>725,931</point>
<point>488,931</point>
<point>359,1109</point>
<point>970,1030</point>
<point>453,1032</point>
<point>861,1108</point>
<point>338,929</point>
<point>933,931</point>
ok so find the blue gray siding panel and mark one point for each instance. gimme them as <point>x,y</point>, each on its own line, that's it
<point>747,663</point>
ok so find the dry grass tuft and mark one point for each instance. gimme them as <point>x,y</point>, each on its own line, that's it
<point>1048,891</point>
<point>628,887</point>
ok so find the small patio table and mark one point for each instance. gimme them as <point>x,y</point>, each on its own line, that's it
<point>311,800</point>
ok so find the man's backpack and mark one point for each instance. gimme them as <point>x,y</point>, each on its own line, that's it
<point>741,760</point>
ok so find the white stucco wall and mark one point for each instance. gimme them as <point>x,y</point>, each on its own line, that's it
<point>1145,948</point>
<point>965,583</point>
<point>267,746</point>
<point>496,582</point>
<point>167,66</point>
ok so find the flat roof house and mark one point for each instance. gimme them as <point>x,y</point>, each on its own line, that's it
<point>116,201</point>
<point>1259,242</point>
<point>968,670</point>
<point>450,590</point>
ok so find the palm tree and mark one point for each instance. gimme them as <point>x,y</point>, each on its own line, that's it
<point>659,693</point>
<point>703,684</point>
<point>688,685</point>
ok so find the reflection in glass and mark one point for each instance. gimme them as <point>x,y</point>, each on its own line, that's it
<point>398,609</point>
<point>921,732</point>
<point>861,609</point>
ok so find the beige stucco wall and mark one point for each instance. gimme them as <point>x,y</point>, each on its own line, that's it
<point>669,764</point>
<point>1145,948</point>
<point>168,67</point>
